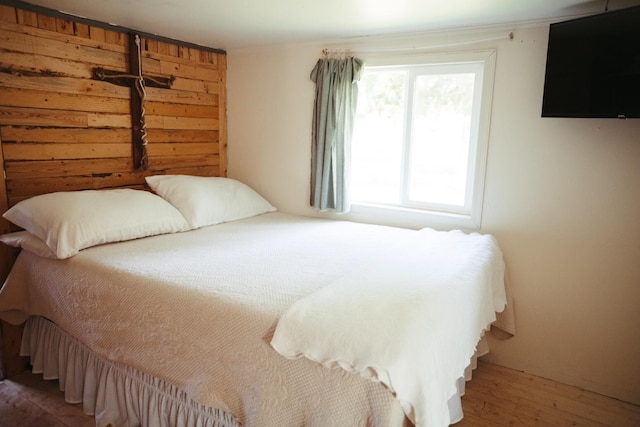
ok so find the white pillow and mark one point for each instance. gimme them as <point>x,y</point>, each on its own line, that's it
<point>209,200</point>
<point>70,221</point>
<point>28,242</point>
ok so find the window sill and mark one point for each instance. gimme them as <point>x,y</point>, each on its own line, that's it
<point>407,217</point>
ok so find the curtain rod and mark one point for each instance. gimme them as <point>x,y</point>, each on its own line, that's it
<point>336,53</point>
<point>327,52</point>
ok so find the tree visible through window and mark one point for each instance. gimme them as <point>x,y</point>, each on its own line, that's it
<point>417,137</point>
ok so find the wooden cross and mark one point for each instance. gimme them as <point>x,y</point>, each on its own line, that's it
<point>137,81</point>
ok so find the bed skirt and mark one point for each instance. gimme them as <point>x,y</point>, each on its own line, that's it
<point>116,395</point>
<point>120,396</point>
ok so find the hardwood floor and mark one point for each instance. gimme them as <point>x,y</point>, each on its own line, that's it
<point>496,396</point>
<point>27,400</point>
<point>499,396</point>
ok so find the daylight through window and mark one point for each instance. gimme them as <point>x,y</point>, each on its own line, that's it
<point>419,139</point>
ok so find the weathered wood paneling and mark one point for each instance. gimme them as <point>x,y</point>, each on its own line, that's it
<point>61,129</point>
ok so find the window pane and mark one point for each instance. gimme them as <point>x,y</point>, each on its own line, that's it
<point>378,137</point>
<point>421,138</point>
<point>441,128</point>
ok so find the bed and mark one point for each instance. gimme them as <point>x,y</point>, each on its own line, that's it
<point>199,304</point>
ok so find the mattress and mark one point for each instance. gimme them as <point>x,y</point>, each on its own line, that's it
<point>198,310</point>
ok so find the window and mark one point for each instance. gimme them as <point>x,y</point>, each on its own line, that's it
<point>420,136</point>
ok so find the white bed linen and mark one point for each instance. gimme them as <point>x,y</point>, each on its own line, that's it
<point>114,394</point>
<point>410,319</point>
<point>198,310</point>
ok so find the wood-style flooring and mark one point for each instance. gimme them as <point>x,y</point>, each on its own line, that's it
<point>496,396</point>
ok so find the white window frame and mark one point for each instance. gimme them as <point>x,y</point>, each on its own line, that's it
<point>440,216</point>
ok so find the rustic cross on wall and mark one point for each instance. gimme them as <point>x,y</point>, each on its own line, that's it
<point>137,81</point>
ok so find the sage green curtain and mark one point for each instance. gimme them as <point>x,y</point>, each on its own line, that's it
<point>333,115</point>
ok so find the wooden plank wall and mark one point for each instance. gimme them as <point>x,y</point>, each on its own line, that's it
<point>60,129</point>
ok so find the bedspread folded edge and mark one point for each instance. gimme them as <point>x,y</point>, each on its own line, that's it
<point>410,319</point>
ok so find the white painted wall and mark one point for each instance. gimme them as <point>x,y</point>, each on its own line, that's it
<point>562,197</point>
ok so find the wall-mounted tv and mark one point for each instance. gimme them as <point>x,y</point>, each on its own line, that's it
<point>593,66</point>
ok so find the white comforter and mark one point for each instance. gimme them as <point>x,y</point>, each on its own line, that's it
<point>198,309</point>
<point>410,319</point>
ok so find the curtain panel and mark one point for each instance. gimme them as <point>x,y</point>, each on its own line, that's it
<point>333,115</point>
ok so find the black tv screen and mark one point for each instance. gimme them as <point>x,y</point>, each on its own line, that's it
<point>593,66</point>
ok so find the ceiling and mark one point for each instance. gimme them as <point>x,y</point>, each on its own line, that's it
<point>236,24</point>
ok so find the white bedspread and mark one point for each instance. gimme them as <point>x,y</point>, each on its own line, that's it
<point>198,310</point>
<point>410,319</point>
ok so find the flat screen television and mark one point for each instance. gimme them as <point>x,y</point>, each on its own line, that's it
<point>593,66</point>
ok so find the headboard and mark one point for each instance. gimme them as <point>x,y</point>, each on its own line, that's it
<point>70,109</point>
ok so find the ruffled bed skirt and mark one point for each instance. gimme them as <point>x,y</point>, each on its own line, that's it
<point>115,394</point>
<point>120,396</point>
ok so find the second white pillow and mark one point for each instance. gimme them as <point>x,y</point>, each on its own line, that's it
<point>207,201</point>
